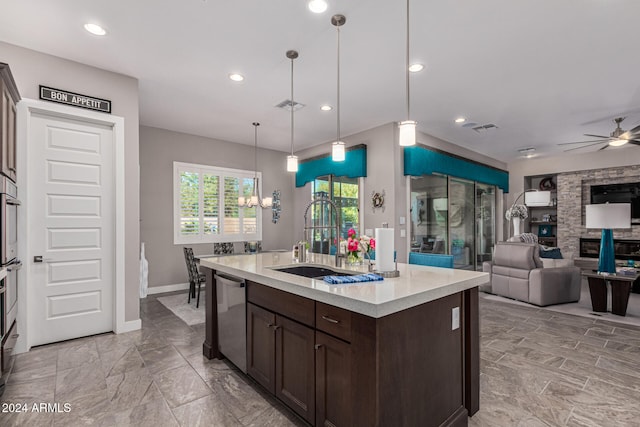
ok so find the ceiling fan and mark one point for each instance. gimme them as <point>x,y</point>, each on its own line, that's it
<point>617,138</point>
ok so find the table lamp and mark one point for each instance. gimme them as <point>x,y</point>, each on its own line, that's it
<point>608,216</point>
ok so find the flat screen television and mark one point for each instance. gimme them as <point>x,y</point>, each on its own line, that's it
<point>619,193</point>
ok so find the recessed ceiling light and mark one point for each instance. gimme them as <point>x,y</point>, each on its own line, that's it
<point>236,77</point>
<point>95,29</point>
<point>460,120</point>
<point>326,108</point>
<point>414,68</point>
<point>317,6</point>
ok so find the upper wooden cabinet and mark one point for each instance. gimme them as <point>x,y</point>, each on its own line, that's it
<point>10,97</point>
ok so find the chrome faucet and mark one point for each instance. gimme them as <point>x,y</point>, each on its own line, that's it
<point>366,252</point>
<point>336,212</point>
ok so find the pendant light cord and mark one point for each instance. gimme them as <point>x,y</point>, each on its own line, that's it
<point>338,97</point>
<point>255,145</point>
<point>256,191</point>
<point>292,105</point>
<point>407,67</point>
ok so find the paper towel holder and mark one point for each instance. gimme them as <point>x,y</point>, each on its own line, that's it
<point>388,274</point>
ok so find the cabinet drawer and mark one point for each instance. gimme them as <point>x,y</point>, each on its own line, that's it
<point>289,305</point>
<point>334,321</point>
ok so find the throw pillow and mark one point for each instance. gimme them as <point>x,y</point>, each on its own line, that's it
<point>546,252</point>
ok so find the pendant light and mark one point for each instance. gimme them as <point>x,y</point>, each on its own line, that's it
<point>337,148</point>
<point>255,199</point>
<point>292,160</point>
<point>407,128</point>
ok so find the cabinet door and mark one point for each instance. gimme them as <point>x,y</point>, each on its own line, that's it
<point>333,381</point>
<point>295,373</point>
<point>261,346</point>
<point>5,106</point>
<point>11,140</point>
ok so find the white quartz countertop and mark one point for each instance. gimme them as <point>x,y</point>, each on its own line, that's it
<point>416,284</point>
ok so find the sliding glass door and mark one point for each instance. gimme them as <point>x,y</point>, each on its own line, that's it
<point>462,222</point>
<point>429,214</point>
<point>453,216</point>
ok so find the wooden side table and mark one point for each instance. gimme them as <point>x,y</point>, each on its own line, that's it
<point>620,290</point>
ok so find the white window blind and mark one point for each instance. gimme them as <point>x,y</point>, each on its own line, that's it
<point>206,205</point>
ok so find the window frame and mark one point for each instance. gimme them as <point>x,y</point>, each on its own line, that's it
<point>222,173</point>
<point>334,180</point>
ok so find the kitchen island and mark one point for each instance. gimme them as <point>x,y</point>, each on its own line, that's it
<point>399,352</point>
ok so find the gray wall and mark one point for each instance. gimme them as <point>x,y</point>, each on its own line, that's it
<point>385,171</point>
<point>31,69</point>
<point>159,148</point>
<point>584,164</point>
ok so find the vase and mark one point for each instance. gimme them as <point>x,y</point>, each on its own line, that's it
<point>353,258</point>
<point>516,226</point>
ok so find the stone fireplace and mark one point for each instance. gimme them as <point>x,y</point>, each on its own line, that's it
<point>574,193</point>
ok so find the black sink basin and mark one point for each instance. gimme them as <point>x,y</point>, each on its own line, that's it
<point>312,271</point>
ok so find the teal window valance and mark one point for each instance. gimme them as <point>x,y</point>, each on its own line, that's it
<point>420,160</point>
<point>354,166</point>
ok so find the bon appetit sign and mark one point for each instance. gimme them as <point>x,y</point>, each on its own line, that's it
<point>75,99</point>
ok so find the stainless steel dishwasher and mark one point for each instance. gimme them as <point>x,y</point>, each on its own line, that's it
<point>232,319</point>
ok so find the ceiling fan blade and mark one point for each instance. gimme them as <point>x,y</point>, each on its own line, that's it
<point>603,147</point>
<point>585,146</point>
<point>635,130</point>
<point>596,136</point>
<point>583,142</point>
<point>634,141</point>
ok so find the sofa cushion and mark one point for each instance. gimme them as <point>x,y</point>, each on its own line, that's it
<point>517,255</point>
<point>554,263</point>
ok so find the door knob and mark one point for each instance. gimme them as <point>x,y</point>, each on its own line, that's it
<point>39,258</point>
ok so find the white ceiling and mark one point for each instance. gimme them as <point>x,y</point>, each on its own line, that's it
<point>543,71</point>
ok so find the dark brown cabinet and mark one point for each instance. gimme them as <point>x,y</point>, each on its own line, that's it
<point>261,346</point>
<point>333,381</point>
<point>280,357</point>
<point>295,375</point>
<point>9,98</point>
<point>336,367</point>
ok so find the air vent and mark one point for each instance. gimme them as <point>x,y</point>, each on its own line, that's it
<point>484,128</point>
<point>286,105</point>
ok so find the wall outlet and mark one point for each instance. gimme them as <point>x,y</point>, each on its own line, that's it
<point>403,233</point>
<point>455,318</point>
<point>403,220</point>
<point>368,231</point>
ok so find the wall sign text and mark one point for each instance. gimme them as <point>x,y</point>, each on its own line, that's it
<point>75,99</point>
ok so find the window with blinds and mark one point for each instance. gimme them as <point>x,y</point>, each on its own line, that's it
<point>206,205</point>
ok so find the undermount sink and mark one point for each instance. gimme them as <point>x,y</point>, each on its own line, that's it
<point>311,271</point>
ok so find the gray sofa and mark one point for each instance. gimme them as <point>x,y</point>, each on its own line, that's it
<point>517,272</point>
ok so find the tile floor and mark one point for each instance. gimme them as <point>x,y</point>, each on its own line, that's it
<point>538,368</point>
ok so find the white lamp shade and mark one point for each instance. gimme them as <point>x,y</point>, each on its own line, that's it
<point>338,151</point>
<point>241,201</point>
<point>267,202</point>
<point>537,198</point>
<point>254,200</point>
<point>407,133</point>
<point>292,163</point>
<point>608,215</point>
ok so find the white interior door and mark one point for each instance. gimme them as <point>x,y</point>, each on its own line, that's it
<point>71,201</point>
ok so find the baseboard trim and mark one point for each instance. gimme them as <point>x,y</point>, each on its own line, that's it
<point>167,288</point>
<point>131,325</point>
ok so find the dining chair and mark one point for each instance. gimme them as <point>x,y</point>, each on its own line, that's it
<point>195,277</point>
